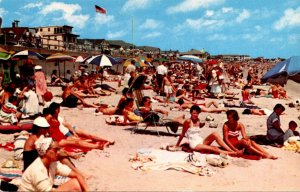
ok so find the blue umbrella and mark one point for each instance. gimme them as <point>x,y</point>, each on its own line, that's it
<point>27,54</point>
<point>101,60</point>
<point>282,71</point>
<point>191,58</point>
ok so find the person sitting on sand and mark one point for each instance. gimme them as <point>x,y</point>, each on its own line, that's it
<point>278,91</point>
<point>64,140</point>
<point>39,176</point>
<point>246,96</point>
<point>191,130</point>
<point>150,115</point>
<point>274,132</point>
<point>30,105</point>
<point>291,131</point>
<point>106,110</point>
<point>231,131</point>
<point>40,128</point>
<point>55,80</point>
<point>9,113</point>
<point>126,109</point>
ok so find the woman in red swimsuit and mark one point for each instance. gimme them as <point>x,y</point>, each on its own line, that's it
<point>231,131</point>
<point>60,138</point>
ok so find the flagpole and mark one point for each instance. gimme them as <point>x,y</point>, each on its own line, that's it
<point>132,31</point>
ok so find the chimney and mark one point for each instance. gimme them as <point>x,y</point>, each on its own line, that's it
<point>16,23</point>
<point>13,24</point>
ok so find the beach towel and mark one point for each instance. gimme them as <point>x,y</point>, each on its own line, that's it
<point>154,159</point>
<point>260,139</point>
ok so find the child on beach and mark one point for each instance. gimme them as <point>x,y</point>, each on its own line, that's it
<point>168,87</point>
<point>291,132</point>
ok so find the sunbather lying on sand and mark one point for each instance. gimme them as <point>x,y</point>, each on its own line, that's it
<point>205,107</point>
<point>72,99</point>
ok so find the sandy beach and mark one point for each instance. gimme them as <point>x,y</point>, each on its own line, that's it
<point>110,169</point>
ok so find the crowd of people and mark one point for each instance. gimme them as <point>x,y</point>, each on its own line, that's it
<point>183,86</point>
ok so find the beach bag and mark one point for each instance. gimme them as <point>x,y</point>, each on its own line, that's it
<point>173,126</point>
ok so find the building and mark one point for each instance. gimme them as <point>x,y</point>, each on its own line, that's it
<point>19,36</point>
<point>57,37</point>
<point>201,54</point>
<point>232,57</point>
<point>92,45</point>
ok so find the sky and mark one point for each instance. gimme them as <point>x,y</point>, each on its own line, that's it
<point>267,28</point>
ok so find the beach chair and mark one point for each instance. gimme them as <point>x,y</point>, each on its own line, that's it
<point>136,88</point>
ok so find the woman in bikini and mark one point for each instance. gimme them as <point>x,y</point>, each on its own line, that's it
<point>191,129</point>
<point>231,131</point>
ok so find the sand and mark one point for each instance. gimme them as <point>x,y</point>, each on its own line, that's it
<point>110,169</point>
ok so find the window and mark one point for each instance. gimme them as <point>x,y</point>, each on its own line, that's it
<point>55,47</point>
<point>41,29</point>
<point>48,29</point>
<point>55,38</point>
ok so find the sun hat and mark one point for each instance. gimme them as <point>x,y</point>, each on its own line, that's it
<point>41,122</point>
<point>38,67</point>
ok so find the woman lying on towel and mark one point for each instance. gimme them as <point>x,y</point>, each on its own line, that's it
<point>231,131</point>
<point>39,176</point>
<point>64,140</point>
<point>191,130</point>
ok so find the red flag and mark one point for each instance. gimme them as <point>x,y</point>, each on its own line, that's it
<point>100,9</point>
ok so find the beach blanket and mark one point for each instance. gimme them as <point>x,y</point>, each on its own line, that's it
<point>196,163</point>
<point>27,126</point>
<point>12,170</point>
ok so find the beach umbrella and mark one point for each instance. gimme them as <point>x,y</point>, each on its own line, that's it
<point>282,71</point>
<point>79,59</point>
<point>60,57</point>
<point>101,60</point>
<point>191,58</point>
<point>4,55</point>
<point>27,54</point>
<point>137,62</point>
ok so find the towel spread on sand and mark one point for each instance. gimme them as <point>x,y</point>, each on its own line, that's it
<point>196,163</point>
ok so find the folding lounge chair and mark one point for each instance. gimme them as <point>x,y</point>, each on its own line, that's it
<point>136,88</point>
